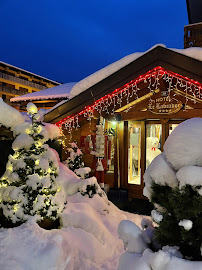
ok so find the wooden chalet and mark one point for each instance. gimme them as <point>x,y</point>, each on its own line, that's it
<point>143,101</point>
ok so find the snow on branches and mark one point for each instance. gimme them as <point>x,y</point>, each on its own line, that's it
<point>29,186</point>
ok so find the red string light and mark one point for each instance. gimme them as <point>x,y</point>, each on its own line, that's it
<point>151,73</point>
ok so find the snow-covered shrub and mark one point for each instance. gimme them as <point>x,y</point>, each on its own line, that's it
<point>74,161</point>
<point>76,164</point>
<point>73,184</point>
<point>173,183</point>
<point>29,186</point>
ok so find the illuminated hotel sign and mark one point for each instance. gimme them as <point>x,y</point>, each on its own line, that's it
<point>164,105</point>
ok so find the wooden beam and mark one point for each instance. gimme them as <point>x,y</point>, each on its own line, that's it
<point>137,101</point>
<point>182,114</point>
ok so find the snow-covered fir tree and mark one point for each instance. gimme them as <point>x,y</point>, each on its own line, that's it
<point>173,183</point>
<point>179,217</point>
<point>29,186</point>
<point>75,159</point>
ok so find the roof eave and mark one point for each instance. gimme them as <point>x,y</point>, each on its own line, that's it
<point>159,56</point>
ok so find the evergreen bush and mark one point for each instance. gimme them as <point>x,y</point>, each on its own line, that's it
<point>177,206</point>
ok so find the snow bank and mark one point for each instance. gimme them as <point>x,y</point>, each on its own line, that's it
<point>88,239</point>
<point>9,117</point>
<point>30,247</point>
<point>167,259</point>
<point>133,238</point>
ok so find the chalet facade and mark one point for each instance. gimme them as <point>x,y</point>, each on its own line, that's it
<point>141,102</point>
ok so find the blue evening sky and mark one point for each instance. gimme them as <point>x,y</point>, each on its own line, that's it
<point>67,40</point>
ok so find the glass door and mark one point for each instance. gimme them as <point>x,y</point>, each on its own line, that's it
<point>134,152</point>
<point>153,141</point>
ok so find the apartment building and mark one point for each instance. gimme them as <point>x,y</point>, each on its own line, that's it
<point>15,82</point>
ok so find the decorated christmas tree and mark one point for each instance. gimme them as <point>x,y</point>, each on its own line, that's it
<point>29,186</point>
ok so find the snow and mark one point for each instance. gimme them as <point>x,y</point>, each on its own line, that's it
<point>87,240</point>
<point>156,216</point>
<point>91,227</point>
<point>160,172</point>
<point>53,131</point>
<point>83,171</point>
<point>60,91</point>
<point>187,224</point>
<point>183,146</point>
<point>190,175</point>
<point>167,259</point>
<point>132,236</point>
<point>70,90</point>
<point>9,117</point>
<point>73,183</point>
<point>110,69</point>
<point>88,237</point>
<point>22,141</point>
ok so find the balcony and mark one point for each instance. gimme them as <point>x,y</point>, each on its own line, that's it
<point>193,35</point>
<point>12,91</point>
<point>21,81</point>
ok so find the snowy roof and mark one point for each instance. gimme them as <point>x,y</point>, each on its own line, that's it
<point>101,74</point>
<point>4,63</point>
<point>60,91</point>
<point>187,62</point>
<point>70,90</point>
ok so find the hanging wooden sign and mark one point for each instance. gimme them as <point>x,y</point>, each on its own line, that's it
<point>164,105</point>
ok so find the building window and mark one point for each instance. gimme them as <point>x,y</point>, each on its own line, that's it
<point>3,96</point>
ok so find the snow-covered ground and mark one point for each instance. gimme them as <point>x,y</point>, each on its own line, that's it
<point>87,240</point>
<point>88,237</point>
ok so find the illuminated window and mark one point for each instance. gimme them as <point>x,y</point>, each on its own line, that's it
<point>172,127</point>
<point>134,153</point>
<point>153,142</point>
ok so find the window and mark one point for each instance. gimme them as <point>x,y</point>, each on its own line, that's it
<point>172,127</point>
<point>153,142</point>
<point>134,153</point>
